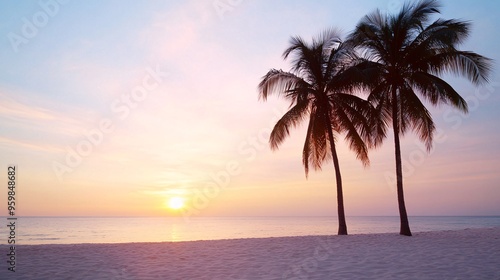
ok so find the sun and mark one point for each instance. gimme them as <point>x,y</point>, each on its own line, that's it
<point>175,203</point>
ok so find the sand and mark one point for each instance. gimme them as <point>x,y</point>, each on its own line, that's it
<point>463,254</point>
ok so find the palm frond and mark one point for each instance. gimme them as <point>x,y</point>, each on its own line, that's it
<point>417,116</point>
<point>367,35</point>
<point>439,34</point>
<point>321,73</point>
<point>361,117</point>
<point>437,91</point>
<point>290,119</point>
<point>360,75</point>
<point>353,130</point>
<point>279,82</point>
<point>316,146</point>
<point>473,66</point>
<point>412,15</point>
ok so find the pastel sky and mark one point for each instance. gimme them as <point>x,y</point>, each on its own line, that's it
<point>113,107</point>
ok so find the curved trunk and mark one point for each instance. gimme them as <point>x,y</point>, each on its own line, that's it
<point>405,226</point>
<point>338,178</point>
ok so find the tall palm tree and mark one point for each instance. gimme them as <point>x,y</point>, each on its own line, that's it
<point>314,87</point>
<point>407,53</point>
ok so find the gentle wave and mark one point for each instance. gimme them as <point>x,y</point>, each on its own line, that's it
<point>72,230</point>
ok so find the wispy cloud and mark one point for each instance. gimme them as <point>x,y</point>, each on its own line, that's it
<point>35,147</point>
<point>21,114</point>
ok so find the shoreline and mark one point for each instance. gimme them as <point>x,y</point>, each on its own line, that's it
<point>416,233</point>
<point>35,231</point>
<point>449,254</point>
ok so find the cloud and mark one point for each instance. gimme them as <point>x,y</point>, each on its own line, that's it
<point>17,144</point>
<point>38,114</point>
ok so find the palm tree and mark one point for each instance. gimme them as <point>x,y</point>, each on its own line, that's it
<point>407,53</point>
<point>314,88</point>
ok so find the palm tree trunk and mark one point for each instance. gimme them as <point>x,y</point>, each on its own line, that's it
<point>338,178</point>
<point>403,216</point>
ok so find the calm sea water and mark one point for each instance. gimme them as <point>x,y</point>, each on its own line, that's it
<point>68,230</point>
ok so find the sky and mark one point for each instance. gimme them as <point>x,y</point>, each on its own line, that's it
<point>112,108</point>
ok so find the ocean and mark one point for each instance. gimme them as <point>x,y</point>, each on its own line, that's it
<point>75,230</point>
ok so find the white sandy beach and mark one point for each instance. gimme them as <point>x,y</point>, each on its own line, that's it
<point>463,254</point>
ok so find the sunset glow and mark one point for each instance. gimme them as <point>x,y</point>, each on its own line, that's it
<point>176,203</point>
<point>152,109</point>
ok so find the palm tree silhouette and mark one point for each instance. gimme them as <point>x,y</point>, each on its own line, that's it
<point>407,53</point>
<point>315,88</point>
